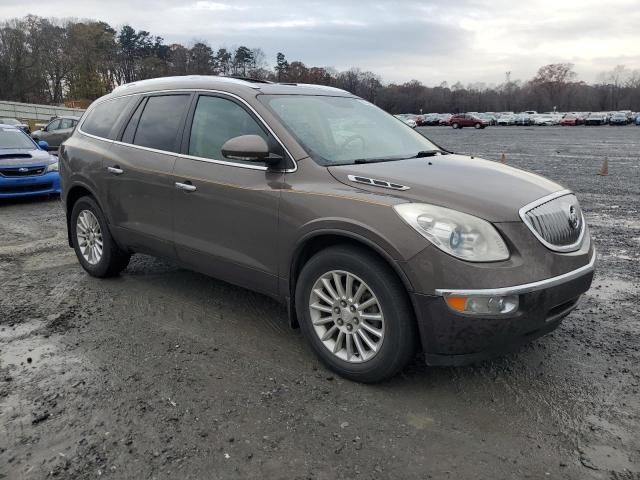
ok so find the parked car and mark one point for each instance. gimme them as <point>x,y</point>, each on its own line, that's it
<point>26,168</point>
<point>407,119</point>
<point>619,118</point>
<point>638,119</point>
<point>419,119</point>
<point>56,131</point>
<point>569,120</point>
<point>445,119</point>
<point>467,120</point>
<point>432,119</point>
<point>492,120</point>
<point>16,123</point>
<point>523,119</point>
<point>505,120</point>
<point>376,251</point>
<point>596,118</point>
<point>544,120</point>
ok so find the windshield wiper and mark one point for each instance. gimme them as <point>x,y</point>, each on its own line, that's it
<point>429,153</point>
<point>424,153</point>
<point>358,161</point>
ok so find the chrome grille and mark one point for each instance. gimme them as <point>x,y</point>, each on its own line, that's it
<point>556,221</point>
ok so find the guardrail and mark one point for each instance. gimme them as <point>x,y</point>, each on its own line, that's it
<point>35,113</point>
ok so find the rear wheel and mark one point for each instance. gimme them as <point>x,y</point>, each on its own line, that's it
<point>96,250</point>
<point>355,314</point>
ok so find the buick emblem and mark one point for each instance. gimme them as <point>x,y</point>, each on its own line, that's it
<point>573,218</point>
<point>23,169</point>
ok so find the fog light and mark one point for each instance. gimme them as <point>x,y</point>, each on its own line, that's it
<point>483,305</point>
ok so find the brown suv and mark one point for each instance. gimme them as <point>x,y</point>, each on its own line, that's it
<point>379,242</point>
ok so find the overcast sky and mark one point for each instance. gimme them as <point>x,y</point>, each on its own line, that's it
<point>431,41</point>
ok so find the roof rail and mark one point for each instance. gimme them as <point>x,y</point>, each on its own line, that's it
<point>242,81</point>
<point>247,79</point>
<point>314,85</point>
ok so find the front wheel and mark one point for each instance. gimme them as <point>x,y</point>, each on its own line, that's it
<point>95,248</point>
<point>477,126</point>
<point>455,126</point>
<point>355,314</point>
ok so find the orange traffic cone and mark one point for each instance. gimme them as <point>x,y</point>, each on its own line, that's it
<point>604,171</point>
<point>503,158</point>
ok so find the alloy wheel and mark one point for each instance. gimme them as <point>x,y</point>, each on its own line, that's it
<point>347,316</point>
<point>89,235</point>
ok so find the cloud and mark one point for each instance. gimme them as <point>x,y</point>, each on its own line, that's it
<point>432,41</point>
<point>215,6</point>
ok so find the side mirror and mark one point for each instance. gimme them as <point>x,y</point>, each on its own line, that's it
<point>43,145</point>
<point>249,148</point>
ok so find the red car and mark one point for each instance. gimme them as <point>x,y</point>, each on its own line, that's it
<point>467,120</point>
<point>569,120</point>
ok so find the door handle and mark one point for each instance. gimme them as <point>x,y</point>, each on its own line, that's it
<point>186,186</point>
<point>115,170</point>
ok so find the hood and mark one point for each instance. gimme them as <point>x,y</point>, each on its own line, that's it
<point>483,188</point>
<point>24,157</point>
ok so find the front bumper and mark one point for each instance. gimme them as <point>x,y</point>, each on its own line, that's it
<point>48,183</point>
<point>451,338</point>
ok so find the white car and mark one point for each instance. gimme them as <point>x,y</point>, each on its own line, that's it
<point>507,120</point>
<point>544,120</point>
<point>407,119</point>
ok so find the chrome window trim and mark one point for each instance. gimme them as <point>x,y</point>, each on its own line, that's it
<point>527,287</point>
<point>547,198</point>
<point>192,157</point>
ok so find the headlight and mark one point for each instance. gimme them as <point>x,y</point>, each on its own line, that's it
<point>53,167</point>
<point>459,234</point>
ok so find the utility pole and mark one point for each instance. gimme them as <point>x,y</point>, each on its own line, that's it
<point>507,76</point>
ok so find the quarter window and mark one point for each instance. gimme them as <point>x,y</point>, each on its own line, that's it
<point>160,123</point>
<point>217,120</point>
<point>103,117</point>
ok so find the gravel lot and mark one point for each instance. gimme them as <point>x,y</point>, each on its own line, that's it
<point>164,373</point>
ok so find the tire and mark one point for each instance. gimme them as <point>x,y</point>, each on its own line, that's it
<point>398,343</point>
<point>112,260</point>
<point>455,126</point>
<point>477,126</point>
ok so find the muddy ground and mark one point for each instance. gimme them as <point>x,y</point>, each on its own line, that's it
<point>164,373</point>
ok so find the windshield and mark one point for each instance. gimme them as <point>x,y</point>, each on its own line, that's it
<point>345,130</point>
<point>11,138</point>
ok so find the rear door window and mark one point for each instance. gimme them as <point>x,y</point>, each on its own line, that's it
<point>160,124</point>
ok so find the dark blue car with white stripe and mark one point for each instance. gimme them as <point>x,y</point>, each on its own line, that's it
<point>26,168</point>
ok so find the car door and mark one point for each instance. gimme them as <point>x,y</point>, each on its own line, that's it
<point>49,132</point>
<point>65,130</point>
<point>139,184</point>
<point>226,212</point>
